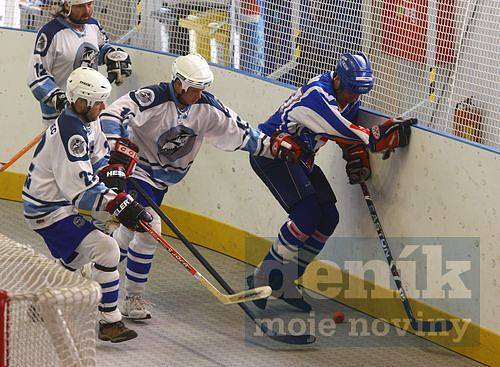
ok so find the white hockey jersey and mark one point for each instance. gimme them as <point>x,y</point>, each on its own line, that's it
<point>60,49</point>
<point>61,174</point>
<point>170,138</point>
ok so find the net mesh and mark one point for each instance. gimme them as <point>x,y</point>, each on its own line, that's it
<point>436,60</point>
<point>48,313</point>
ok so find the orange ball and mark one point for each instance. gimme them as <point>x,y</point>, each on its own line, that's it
<point>338,317</point>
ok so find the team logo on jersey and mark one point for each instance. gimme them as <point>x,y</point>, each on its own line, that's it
<point>41,44</point>
<point>176,142</point>
<point>87,55</point>
<point>77,146</point>
<point>145,97</point>
<point>79,221</point>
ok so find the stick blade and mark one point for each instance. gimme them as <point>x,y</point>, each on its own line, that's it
<point>286,338</point>
<point>432,326</point>
<point>294,339</point>
<point>249,295</point>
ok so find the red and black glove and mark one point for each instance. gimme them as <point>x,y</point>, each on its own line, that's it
<point>128,212</point>
<point>393,133</point>
<point>286,147</point>
<point>358,162</point>
<point>114,177</point>
<point>126,154</point>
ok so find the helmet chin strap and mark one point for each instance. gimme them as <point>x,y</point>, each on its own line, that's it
<point>183,90</point>
<point>86,113</point>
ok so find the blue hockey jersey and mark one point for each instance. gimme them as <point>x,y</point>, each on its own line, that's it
<point>312,114</point>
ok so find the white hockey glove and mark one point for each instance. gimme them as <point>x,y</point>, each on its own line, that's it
<point>119,65</point>
<point>59,101</point>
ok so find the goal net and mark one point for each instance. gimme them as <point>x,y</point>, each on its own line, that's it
<point>48,315</point>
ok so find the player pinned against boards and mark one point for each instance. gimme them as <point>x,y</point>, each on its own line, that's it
<point>72,39</point>
<point>70,172</point>
<point>325,108</point>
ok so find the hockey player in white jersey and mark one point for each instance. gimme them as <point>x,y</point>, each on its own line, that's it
<point>322,109</point>
<point>70,40</point>
<point>169,122</point>
<point>62,178</point>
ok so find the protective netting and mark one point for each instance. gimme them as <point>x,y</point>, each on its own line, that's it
<point>48,315</point>
<point>434,59</point>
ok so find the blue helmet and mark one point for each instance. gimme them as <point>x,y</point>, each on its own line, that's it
<point>355,72</point>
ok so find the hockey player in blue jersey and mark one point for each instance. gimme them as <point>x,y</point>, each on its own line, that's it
<point>70,40</point>
<point>169,122</point>
<point>63,177</point>
<point>323,109</point>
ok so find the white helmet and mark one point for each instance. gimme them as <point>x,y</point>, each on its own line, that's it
<point>77,2</point>
<point>70,4</point>
<point>88,84</point>
<point>193,71</point>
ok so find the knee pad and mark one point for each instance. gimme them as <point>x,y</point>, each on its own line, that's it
<point>329,219</point>
<point>143,242</point>
<point>99,248</point>
<point>123,236</point>
<point>106,253</point>
<point>156,223</point>
<point>306,214</point>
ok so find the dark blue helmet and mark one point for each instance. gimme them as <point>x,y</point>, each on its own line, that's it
<point>355,72</point>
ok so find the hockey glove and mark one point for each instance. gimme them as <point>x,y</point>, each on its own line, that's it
<point>114,177</point>
<point>59,101</point>
<point>358,163</point>
<point>286,147</point>
<point>393,133</point>
<point>125,154</point>
<point>118,65</point>
<point>128,212</point>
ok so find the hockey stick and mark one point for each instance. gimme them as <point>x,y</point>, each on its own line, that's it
<point>419,325</point>
<point>283,338</point>
<point>19,154</point>
<point>244,296</point>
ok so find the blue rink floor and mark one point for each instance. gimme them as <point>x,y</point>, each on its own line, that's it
<point>191,328</point>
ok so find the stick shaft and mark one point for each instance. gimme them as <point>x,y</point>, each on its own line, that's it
<point>244,296</point>
<point>420,325</point>
<point>387,251</point>
<point>170,249</point>
<point>19,154</point>
<point>183,238</point>
<point>290,339</point>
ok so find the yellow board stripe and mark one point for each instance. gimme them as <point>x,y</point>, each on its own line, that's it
<point>249,248</point>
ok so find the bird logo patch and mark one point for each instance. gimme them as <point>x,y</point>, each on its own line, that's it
<point>41,44</point>
<point>77,146</point>
<point>176,143</point>
<point>86,55</point>
<point>145,97</point>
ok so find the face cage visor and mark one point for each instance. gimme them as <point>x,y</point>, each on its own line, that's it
<point>186,83</point>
